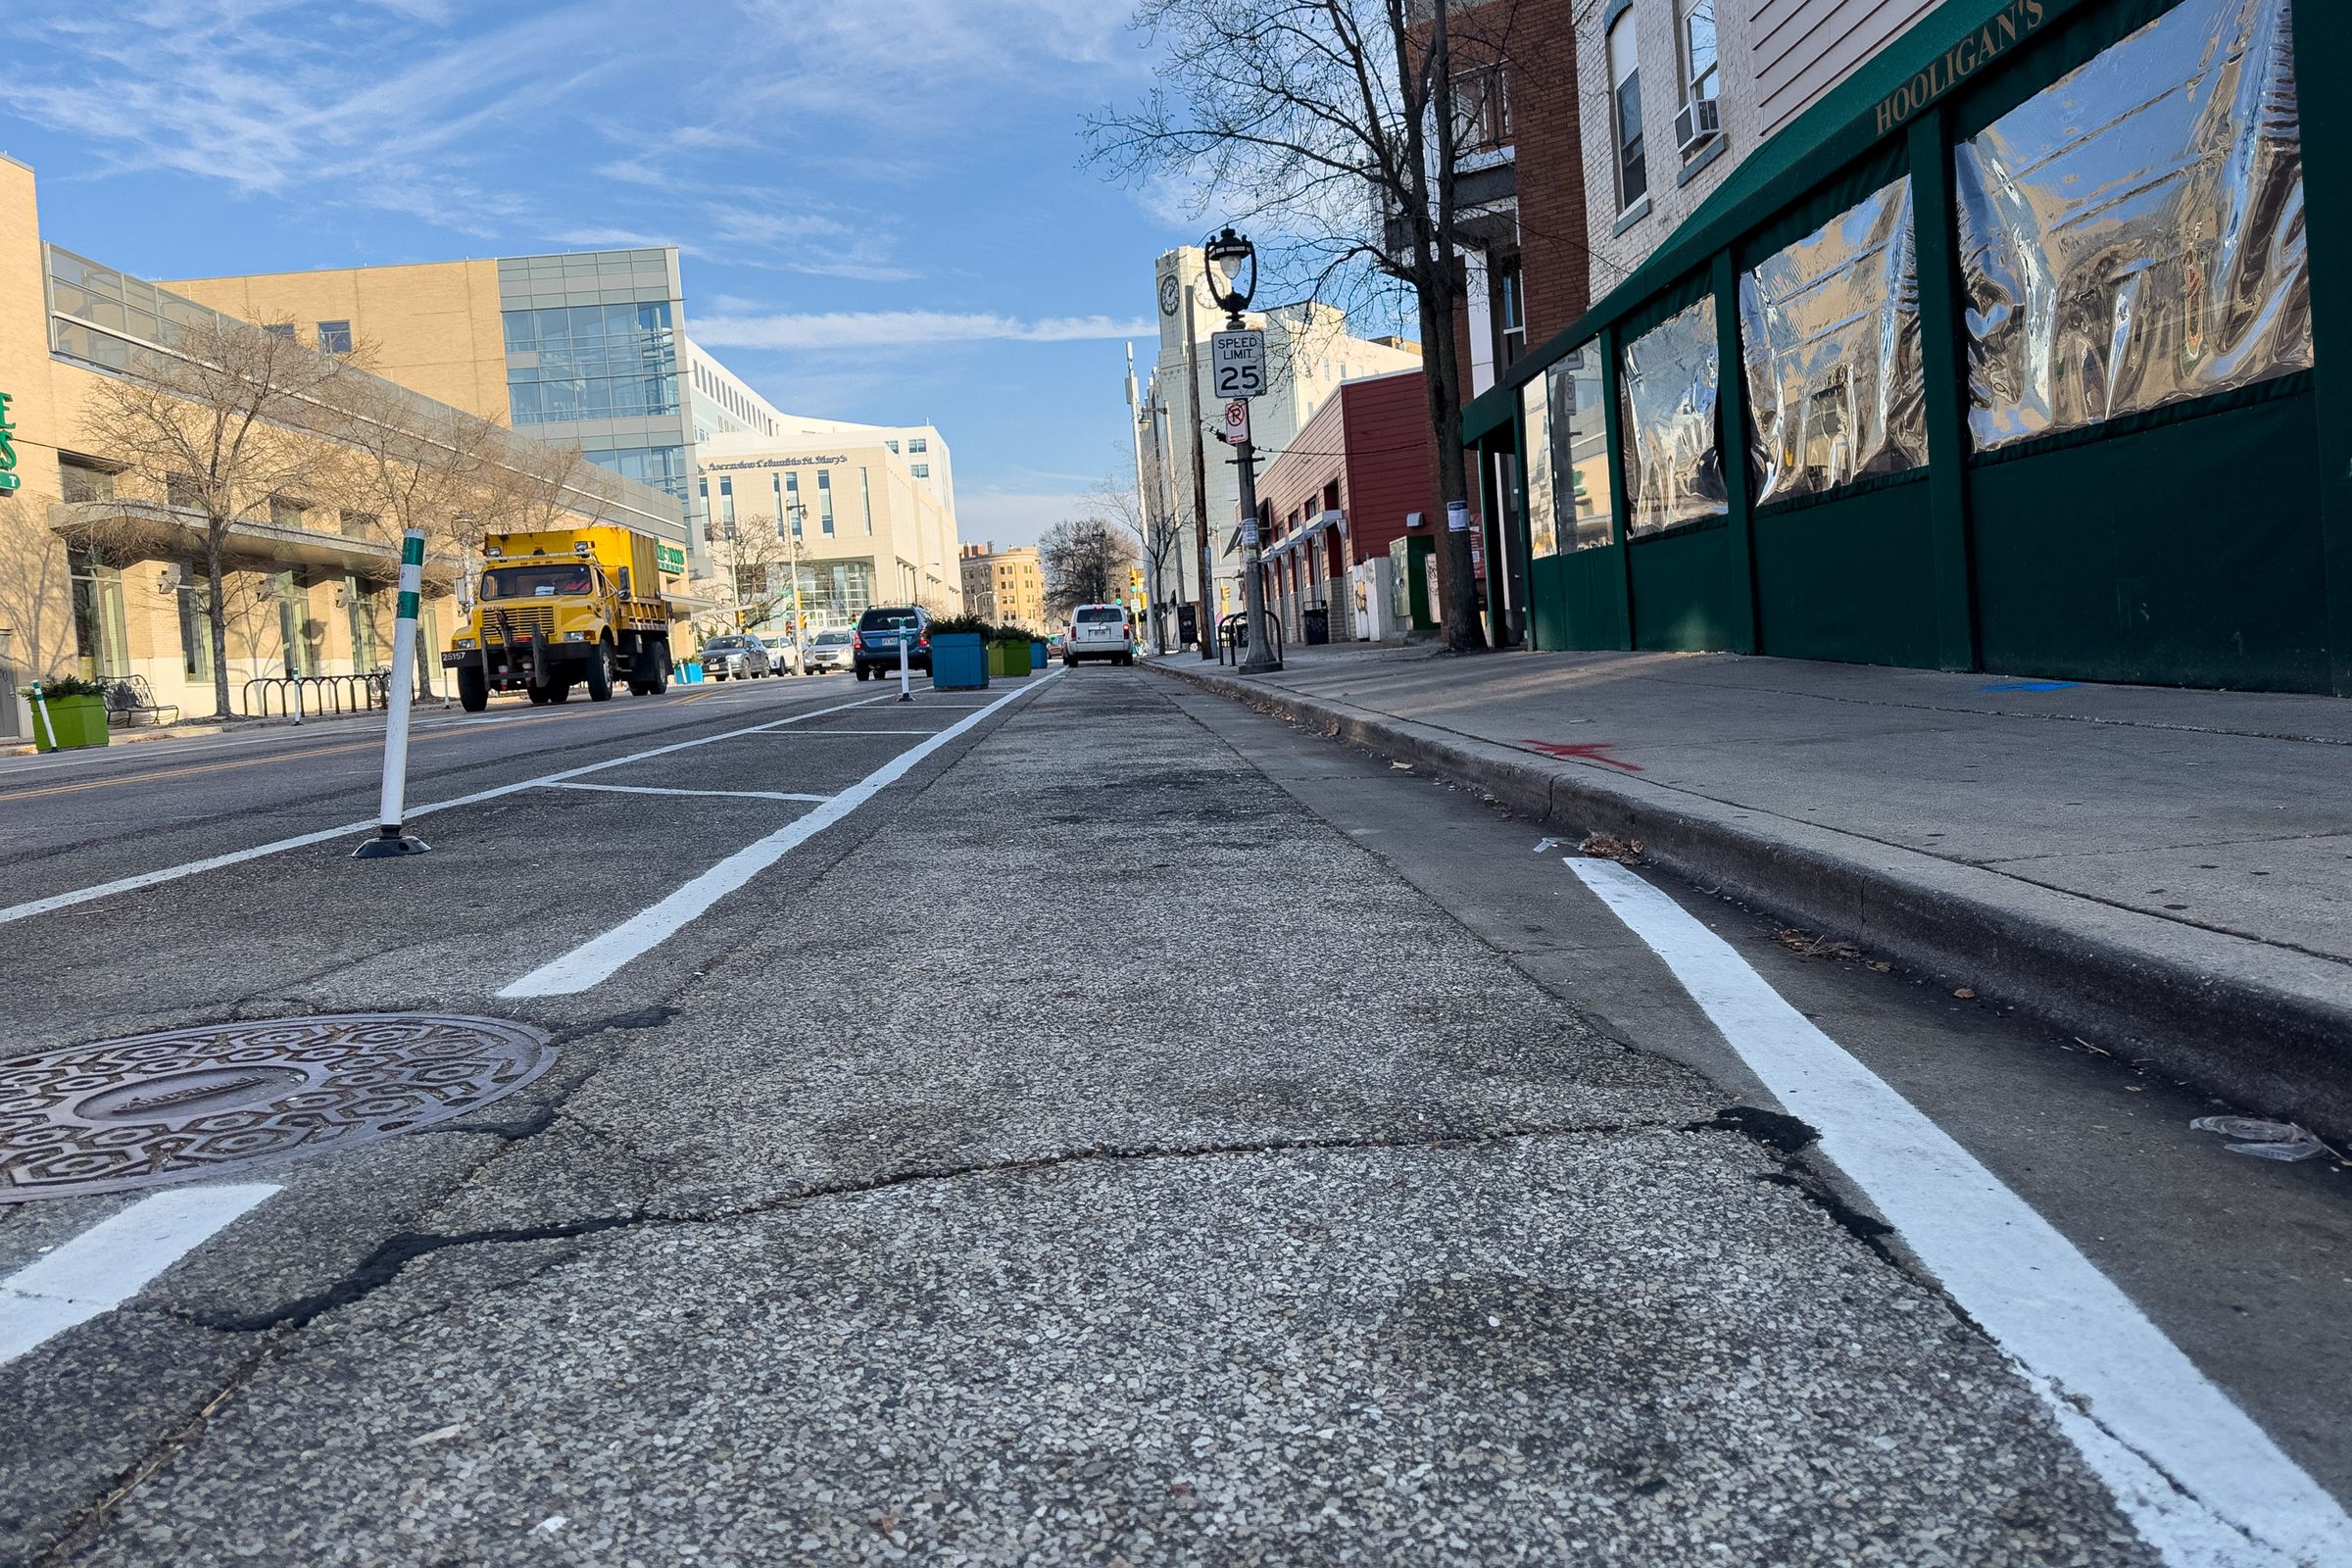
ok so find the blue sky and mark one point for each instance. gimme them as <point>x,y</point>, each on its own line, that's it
<point>881,202</point>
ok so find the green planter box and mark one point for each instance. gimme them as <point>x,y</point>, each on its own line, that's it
<point>1008,659</point>
<point>78,721</point>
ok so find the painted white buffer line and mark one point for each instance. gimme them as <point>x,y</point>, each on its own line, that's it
<point>109,1263</point>
<point>600,957</point>
<point>173,874</point>
<point>2199,1480</point>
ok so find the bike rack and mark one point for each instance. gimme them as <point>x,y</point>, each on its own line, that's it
<point>1233,637</point>
<point>299,696</point>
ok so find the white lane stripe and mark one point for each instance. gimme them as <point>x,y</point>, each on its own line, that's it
<point>597,958</point>
<point>731,795</point>
<point>113,1260</point>
<point>2202,1482</point>
<point>820,734</point>
<point>170,873</point>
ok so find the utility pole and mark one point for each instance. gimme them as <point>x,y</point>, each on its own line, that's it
<point>791,552</point>
<point>1143,510</point>
<point>1192,407</point>
<point>1239,362</point>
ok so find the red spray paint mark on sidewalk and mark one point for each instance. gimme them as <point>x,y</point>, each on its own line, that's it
<point>1584,752</point>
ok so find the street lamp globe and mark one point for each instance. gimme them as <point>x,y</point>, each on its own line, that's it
<point>1226,253</point>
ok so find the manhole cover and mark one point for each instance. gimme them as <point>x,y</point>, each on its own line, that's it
<point>166,1108</point>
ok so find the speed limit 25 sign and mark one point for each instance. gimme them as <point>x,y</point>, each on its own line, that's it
<point>1238,364</point>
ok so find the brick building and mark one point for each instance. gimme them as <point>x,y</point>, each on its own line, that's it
<point>1340,497</point>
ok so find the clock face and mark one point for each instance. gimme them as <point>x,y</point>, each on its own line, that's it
<point>1169,294</point>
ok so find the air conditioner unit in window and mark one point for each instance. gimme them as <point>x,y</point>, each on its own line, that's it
<point>1700,122</point>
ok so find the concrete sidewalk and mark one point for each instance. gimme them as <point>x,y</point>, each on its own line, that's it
<point>2167,874</point>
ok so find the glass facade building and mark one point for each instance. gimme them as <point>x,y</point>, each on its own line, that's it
<point>594,357</point>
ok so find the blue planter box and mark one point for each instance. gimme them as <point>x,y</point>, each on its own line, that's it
<point>1037,656</point>
<point>958,661</point>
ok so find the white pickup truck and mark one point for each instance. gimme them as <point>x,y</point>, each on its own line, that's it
<point>1099,631</point>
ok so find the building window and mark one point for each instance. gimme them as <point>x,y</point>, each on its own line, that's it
<point>866,499</point>
<point>824,501</point>
<point>1482,111</point>
<point>1700,121</point>
<point>893,444</point>
<point>916,444</point>
<point>84,481</point>
<point>284,329</point>
<point>358,524</point>
<point>361,597</point>
<point>98,631</point>
<point>1625,97</point>
<point>727,503</point>
<point>921,471</point>
<point>195,631</point>
<point>182,490</point>
<point>1508,301</point>
<point>334,337</point>
<point>591,362</point>
<point>285,511</point>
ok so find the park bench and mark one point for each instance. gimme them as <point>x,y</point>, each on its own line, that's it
<point>130,696</point>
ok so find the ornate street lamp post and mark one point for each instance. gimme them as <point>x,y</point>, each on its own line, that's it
<point>1226,254</point>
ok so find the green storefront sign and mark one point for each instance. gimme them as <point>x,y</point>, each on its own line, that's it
<point>8,448</point>
<point>672,558</point>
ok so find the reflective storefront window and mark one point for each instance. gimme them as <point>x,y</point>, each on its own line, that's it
<point>1830,338</point>
<point>2134,233</point>
<point>1672,459</point>
<point>1534,409</point>
<point>1580,450</point>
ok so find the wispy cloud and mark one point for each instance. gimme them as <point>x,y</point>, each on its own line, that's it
<point>840,329</point>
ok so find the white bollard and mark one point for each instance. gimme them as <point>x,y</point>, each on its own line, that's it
<point>905,638</point>
<point>296,682</point>
<point>389,839</point>
<point>41,712</point>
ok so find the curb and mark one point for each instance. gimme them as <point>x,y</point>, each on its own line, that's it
<point>2266,1027</point>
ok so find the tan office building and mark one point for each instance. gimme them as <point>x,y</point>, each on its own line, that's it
<point>1006,586</point>
<point>100,570</point>
<point>835,508</point>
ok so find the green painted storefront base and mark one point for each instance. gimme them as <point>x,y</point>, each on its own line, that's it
<point>1850,578</point>
<point>2205,543</point>
<point>2184,554</point>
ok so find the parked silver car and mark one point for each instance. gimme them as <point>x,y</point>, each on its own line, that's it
<point>743,658</point>
<point>826,652</point>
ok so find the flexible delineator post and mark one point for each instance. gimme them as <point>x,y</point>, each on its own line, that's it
<point>904,637</point>
<point>389,839</point>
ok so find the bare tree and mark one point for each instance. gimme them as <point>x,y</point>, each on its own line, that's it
<point>758,563</point>
<point>1158,536</point>
<point>217,425</point>
<point>1332,127</point>
<point>1085,562</point>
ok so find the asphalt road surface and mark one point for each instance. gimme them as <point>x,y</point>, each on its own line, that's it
<point>1080,1121</point>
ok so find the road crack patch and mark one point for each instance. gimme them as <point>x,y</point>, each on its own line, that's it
<point>392,1257</point>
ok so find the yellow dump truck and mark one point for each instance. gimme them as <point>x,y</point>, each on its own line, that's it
<point>565,608</point>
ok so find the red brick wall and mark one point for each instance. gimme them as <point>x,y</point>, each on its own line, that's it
<point>1372,438</point>
<point>1537,42</point>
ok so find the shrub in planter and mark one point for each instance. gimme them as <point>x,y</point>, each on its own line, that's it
<point>1008,652</point>
<point>960,660</point>
<point>76,712</point>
